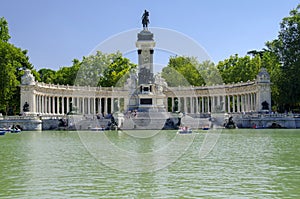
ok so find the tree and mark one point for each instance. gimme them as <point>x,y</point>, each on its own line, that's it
<point>102,69</point>
<point>173,77</point>
<point>67,75</point>
<point>186,67</point>
<point>12,61</point>
<point>287,48</point>
<point>46,75</point>
<point>210,73</point>
<point>4,34</point>
<point>239,69</point>
<point>116,73</point>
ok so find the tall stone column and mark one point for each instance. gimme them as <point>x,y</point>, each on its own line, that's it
<point>105,105</point>
<point>202,105</point>
<point>228,104</point>
<point>197,105</point>
<point>208,104</point>
<point>49,104</point>
<point>213,104</point>
<point>185,104</point>
<point>68,104</point>
<point>100,105</point>
<point>88,106</point>
<point>93,105</point>
<point>63,105</point>
<point>53,104</point>
<point>57,105</point>
<point>238,103</point>
<point>233,104</point>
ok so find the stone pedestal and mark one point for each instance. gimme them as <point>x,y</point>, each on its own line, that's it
<point>148,95</point>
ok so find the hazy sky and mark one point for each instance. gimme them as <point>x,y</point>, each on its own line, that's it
<point>56,31</point>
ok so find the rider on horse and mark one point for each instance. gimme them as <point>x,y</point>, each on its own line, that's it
<point>145,19</point>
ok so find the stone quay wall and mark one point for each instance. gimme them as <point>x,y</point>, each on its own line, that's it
<point>25,123</point>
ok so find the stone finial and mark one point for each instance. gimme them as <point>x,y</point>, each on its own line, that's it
<point>263,76</point>
<point>27,78</point>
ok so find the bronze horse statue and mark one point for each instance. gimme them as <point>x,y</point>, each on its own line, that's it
<point>145,19</point>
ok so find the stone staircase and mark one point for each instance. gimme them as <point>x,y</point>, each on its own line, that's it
<point>146,121</point>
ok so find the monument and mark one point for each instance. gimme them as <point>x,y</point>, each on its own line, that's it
<point>146,99</point>
<point>149,94</point>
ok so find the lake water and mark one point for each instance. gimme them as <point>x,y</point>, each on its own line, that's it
<point>151,164</point>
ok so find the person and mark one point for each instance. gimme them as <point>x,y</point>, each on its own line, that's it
<point>145,19</point>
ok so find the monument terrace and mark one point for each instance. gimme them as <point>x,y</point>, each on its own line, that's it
<point>145,93</point>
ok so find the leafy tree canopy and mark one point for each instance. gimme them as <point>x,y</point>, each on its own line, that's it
<point>4,35</point>
<point>286,47</point>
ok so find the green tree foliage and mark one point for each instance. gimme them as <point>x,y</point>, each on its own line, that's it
<point>186,71</point>
<point>117,72</point>
<point>93,67</point>
<point>46,75</point>
<point>210,73</point>
<point>103,69</point>
<point>67,75</point>
<point>287,48</point>
<point>174,78</point>
<point>270,61</point>
<point>239,69</point>
<point>183,68</point>
<point>95,70</point>
<point>12,60</point>
<point>4,34</point>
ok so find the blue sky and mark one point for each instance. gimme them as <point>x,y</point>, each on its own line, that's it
<point>56,31</point>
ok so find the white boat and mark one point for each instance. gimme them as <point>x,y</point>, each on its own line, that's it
<point>98,129</point>
<point>15,130</point>
<point>184,130</point>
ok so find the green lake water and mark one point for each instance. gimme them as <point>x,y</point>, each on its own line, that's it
<point>151,164</point>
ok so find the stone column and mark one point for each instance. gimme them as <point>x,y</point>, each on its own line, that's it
<point>68,104</point>
<point>57,105</point>
<point>213,104</point>
<point>94,106</point>
<point>197,105</point>
<point>185,104</point>
<point>49,104</point>
<point>63,105</point>
<point>88,106</point>
<point>36,103</point>
<point>238,103</point>
<point>208,104</point>
<point>191,104</point>
<point>202,105</point>
<point>112,105</point>
<point>105,105</point>
<point>43,107</point>
<point>83,105</point>
<point>248,102</point>
<point>100,106</point>
<point>53,104</point>
<point>228,104</point>
<point>233,104</point>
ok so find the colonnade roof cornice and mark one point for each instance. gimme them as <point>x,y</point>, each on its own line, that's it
<point>77,88</point>
<point>219,86</point>
<point>85,91</point>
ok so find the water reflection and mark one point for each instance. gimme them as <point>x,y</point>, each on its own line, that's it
<point>242,164</point>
